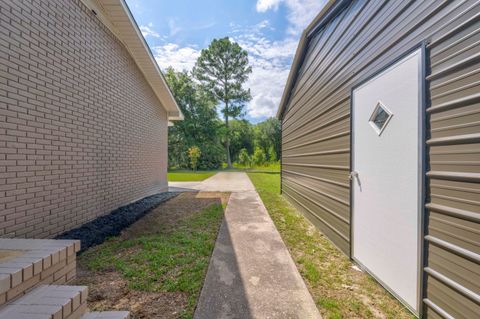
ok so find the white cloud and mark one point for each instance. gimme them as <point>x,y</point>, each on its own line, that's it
<point>180,58</point>
<point>204,26</point>
<point>302,12</point>
<point>299,12</point>
<point>270,61</point>
<point>265,5</point>
<point>148,31</point>
<point>266,83</point>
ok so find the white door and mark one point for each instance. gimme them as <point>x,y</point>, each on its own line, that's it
<point>386,177</point>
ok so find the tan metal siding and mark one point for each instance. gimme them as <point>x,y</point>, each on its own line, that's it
<point>453,236</point>
<point>358,42</point>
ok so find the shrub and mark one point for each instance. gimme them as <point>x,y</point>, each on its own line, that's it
<point>212,156</point>
<point>272,155</point>
<point>259,157</point>
<point>243,157</point>
<point>194,154</point>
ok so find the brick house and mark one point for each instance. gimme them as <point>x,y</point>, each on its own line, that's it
<point>84,112</point>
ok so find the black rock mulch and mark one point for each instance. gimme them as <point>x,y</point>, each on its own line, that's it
<point>96,231</point>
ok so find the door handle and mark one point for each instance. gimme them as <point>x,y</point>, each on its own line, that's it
<point>353,174</point>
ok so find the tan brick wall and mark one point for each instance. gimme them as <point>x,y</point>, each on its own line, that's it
<point>81,131</point>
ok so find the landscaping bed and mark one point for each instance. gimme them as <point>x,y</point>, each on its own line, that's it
<point>156,267</point>
<point>338,287</point>
<point>96,231</point>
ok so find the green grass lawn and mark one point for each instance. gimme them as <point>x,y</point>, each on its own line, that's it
<point>198,176</point>
<point>270,167</point>
<point>164,258</point>
<point>338,290</point>
<point>189,176</point>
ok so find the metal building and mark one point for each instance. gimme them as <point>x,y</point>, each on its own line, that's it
<point>381,144</point>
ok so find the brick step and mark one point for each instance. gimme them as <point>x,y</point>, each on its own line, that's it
<point>26,263</point>
<point>48,302</point>
<point>106,315</point>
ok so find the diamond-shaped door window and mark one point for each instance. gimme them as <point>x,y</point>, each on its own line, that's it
<point>380,118</point>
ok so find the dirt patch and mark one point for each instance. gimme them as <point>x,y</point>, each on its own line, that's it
<point>110,290</point>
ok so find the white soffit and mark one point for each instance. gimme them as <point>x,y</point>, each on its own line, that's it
<point>117,17</point>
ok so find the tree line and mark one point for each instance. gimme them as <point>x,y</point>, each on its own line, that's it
<point>216,86</point>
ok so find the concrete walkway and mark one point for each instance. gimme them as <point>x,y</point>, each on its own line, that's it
<point>220,182</point>
<point>251,273</point>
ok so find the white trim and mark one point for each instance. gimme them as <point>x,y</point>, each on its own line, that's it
<point>172,115</point>
<point>116,16</point>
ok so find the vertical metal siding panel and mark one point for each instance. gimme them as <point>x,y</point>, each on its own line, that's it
<point>316,130</point>
<point>453,273</point>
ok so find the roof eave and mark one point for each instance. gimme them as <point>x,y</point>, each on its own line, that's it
<point>116,16</point>
<point>300,52</point>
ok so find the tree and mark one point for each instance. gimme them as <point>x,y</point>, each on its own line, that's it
<point>223,69</point>
<point>194,154</point>
<point>241,136</point>
<point>199,128</point>
<point>268,135</point>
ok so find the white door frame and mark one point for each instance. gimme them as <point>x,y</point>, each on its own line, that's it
<point>421,283</point>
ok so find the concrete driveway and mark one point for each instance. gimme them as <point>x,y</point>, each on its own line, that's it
<point>251,273</point>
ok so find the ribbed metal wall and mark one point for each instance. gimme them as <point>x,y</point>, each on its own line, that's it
<point>359,41</point>
<point>453,271</point>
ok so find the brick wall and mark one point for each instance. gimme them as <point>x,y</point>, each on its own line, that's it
<point>81,131</point>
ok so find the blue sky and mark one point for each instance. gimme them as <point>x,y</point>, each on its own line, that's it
<point>177,30</point>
